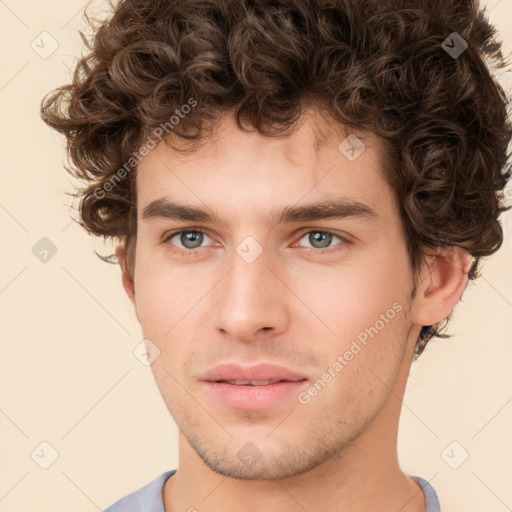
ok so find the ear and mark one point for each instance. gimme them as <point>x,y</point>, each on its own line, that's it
<point>443,280</point>
<point>127,279</point>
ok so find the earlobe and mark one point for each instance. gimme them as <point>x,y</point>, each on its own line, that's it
<point>441,285</point>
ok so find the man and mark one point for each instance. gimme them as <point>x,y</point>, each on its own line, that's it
<point>302,191</point>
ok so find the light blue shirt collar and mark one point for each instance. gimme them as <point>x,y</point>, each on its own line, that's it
<point>150,498</point>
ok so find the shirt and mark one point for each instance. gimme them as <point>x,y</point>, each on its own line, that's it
<point>150,498</point>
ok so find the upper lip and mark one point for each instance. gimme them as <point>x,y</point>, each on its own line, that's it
<point>262,371</point>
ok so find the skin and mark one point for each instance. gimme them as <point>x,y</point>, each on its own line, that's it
<point>292,306</point>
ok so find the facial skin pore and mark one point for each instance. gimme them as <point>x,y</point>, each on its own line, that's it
<point>295,305</point>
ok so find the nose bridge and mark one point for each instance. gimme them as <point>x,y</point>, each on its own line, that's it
<point>248,302</point>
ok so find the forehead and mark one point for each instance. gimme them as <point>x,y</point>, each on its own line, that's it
<point>319,159</point>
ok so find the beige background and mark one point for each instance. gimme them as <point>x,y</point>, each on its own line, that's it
<point>67,372</point>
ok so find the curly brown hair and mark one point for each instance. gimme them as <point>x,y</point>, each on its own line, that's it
<point>376,65</point>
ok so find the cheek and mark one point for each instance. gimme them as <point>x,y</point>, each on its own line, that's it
<point>348,300</point>
<point>162,295</point>
<point>362,359</point>
<point>173,301</point>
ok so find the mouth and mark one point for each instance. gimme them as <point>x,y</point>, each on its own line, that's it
<point>259,386</point>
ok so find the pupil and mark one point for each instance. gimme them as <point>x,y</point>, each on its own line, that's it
<point>323,238</point>
<point>191,239</point>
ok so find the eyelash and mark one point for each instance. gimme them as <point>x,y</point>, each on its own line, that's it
<point>192,252</point>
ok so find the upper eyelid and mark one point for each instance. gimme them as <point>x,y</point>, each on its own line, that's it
<point>328,231</point>
<point>301,234</point>
<point>172,234</point>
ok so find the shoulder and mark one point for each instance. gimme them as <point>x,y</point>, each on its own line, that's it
<point>147,498</point>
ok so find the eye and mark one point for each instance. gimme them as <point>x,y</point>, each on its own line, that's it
<point>189,239</point>
<point>322,240</point>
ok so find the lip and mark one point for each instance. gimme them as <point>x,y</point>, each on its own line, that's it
<point>261,371</point>
<point>252,397</point>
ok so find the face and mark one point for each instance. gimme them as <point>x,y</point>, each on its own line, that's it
<point>262,276</point>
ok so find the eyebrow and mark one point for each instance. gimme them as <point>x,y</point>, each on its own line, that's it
<point>330,209</point>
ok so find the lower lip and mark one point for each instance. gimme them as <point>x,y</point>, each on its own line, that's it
<point>254,397</point>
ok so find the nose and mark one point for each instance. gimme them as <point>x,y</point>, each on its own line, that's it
<point>251,301</point>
